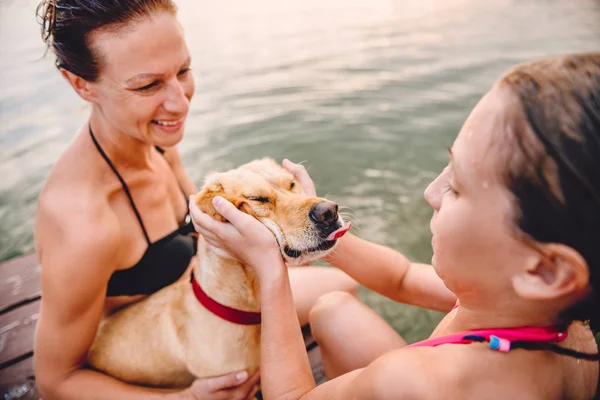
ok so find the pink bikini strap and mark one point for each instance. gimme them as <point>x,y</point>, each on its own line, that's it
<point>499,339</point>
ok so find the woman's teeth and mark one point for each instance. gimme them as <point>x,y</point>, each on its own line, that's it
<point>167,123</point>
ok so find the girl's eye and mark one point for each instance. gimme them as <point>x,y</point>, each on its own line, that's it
<point>260,199</point>
<point>448,188</point>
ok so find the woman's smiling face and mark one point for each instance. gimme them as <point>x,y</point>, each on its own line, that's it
<point>475,246</point>
<point>145,84</point>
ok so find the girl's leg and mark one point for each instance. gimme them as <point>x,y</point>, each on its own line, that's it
<point>310,283</point>
<point>350,334</point>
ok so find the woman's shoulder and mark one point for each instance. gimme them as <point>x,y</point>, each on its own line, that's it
<point>74,219</point>
<point>76,242</point>
<point>74,186</point>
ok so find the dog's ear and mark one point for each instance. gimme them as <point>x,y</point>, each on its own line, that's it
<point>214,188</point>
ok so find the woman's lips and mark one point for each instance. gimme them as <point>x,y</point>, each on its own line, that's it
<point>169,126</point>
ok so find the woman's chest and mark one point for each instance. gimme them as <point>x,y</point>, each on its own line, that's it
<point>150,207</point>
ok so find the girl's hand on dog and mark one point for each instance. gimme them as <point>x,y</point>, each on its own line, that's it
<point>244,238</point>
<point>234,386</point>
<point>300,173</point>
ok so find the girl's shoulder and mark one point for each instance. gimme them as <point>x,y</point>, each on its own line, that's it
<point>472,371</point>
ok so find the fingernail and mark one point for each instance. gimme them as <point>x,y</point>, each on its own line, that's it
<point>216,201</point>
<point>241,376</point>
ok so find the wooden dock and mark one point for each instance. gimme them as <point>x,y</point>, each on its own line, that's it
<point>19,310</point>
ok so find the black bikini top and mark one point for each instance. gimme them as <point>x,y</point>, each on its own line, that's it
<point>164,261</point>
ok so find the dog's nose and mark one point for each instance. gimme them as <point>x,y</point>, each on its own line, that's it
<point>324,213</point>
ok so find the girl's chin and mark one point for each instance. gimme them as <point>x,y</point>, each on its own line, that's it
<point>435,265</point>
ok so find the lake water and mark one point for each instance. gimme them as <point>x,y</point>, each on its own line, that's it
<point>369,93</point>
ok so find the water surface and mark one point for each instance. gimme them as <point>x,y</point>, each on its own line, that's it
<point>369,93</point>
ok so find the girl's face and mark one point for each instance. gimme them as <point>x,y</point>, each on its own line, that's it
<point>475,247</point>
<point>145,83</point>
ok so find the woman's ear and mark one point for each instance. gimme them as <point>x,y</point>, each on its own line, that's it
<point>83,88</point>
<point>558,272</point>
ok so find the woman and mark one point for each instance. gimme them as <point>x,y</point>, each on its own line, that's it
<point>516,226</point>
<point>111,224</point>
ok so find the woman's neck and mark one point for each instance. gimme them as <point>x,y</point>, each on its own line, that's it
<point>120,148</point>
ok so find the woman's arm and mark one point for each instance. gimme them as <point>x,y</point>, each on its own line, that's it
<point>74,258</point>
<point>74,261</point>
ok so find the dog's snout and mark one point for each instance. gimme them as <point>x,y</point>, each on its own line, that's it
<point>324,213</point>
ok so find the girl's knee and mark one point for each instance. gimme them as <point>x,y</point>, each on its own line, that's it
<point>347,284</point>
<point>329,305</point>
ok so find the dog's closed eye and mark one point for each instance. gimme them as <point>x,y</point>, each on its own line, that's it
<point>259,199</point>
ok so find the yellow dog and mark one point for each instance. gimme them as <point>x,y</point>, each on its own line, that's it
<point>211,325</point>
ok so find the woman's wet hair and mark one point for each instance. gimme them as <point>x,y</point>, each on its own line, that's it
<point>67,26</point>
<point>554,168</point>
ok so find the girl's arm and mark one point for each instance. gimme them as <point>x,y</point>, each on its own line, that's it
<point>389,273</point>
<point>380,268</point>
<point>285,369</point>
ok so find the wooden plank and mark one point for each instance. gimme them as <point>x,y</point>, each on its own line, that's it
<point>17,329</point>
<point>20,281</point>
<point>20,389</point>
<point>17,373</point>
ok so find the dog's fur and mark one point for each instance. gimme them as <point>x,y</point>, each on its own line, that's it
<point>169,338</point>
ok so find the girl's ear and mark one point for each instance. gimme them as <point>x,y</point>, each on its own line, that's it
<point>560,272</point>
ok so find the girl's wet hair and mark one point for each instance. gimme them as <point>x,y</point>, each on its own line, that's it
<point>67,25</point>
<point>555,171</point>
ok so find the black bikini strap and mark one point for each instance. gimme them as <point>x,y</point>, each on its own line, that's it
<point>125,187</point>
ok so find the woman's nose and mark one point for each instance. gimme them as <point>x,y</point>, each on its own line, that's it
<point>177,100</point>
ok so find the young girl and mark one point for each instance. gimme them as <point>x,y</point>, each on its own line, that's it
<point>516,222</point>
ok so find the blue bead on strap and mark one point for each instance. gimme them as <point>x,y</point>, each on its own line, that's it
<point>494,342</point>
<point>499,344</point>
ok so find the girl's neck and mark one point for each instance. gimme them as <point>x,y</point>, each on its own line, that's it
<point>498,314</point>
<point>120,148</point>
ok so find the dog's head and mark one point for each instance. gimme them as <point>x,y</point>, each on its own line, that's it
<point>306,228</point>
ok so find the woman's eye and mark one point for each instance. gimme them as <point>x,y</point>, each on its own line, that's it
<point>183,71</point>
<point>147,87</point>
<point>260,199</point>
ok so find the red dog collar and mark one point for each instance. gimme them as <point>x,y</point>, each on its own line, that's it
<point>227,313</point>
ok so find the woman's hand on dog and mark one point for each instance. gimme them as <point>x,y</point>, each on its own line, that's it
<point>244,238</point>
<point>234,386</point>
<point>300,173</point>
